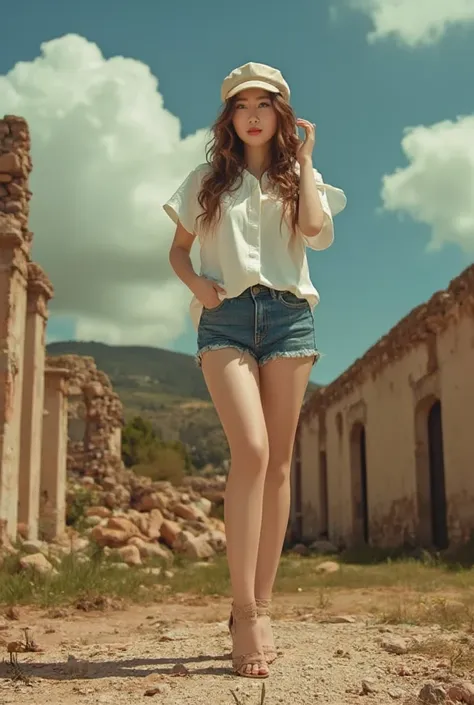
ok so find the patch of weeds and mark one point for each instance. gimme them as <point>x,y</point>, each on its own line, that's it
<point>77,505</point>
<point>77,577</point>
<point>299,573</point>
<point>462,555</point>
<point>412,587</point>
<point>458,652</point>
<point>212,579</point>
<point>324,598</point>
<point>450,614</point>
<point>363,554</point>
<point>430,610</point>
<point>401,613</point>
<point>261,701</point>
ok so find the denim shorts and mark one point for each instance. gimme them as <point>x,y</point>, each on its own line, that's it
<point>263,322</point>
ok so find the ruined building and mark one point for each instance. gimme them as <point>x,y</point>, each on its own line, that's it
<point>34,389</point>
<point>385,454</point>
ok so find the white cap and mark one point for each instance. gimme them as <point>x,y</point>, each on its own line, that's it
<point>254,75</point>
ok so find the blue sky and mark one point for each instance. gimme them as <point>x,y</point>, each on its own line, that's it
<point>365,94</point>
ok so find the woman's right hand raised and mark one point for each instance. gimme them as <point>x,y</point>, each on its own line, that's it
<point>207,292</point>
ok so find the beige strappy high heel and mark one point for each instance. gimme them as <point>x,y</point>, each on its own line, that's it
<point>263,612</point>
<point>246,613</point>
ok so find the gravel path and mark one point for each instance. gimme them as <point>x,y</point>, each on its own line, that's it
<point>117,657</point>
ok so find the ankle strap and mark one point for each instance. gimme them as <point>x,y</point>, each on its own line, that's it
<point>245,613</point>
<point>263,606</point>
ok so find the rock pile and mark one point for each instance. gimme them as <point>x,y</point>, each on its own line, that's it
<point>159,519</point>
<point>122,511</point>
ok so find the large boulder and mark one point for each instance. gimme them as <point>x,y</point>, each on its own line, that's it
<point>195,547</point>
<point>38,563</point>
<point>169,532</point>
<point>110,538</point>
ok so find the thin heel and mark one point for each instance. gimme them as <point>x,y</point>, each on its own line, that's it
<point>241,614</point>
<point>263,610</point>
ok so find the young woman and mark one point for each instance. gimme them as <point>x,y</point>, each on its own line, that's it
<point>255,206</point>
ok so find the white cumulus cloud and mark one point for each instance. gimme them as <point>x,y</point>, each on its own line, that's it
<point>414,22</point>
<point>106,155</point>
<point>437,187</point>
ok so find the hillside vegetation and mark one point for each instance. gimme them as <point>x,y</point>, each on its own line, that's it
<point>164,387</point>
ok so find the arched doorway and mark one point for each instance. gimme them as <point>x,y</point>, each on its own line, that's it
<point>360,505</point>
<point>431,486</point>
<point>439,524</point>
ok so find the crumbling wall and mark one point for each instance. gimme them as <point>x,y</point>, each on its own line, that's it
<point>388,393</point>
<point>15,241</point>
<point>131,512</point>
<point>95,409</point>
<point>15,167</point>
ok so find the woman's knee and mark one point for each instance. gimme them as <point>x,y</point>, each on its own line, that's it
<point>279,471</point>
<point>251,454</point>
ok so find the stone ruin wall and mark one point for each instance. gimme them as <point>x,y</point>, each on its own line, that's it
<point>15,168</point>
<point>24,293</point>
<point>35,389</point>
<point>425,357</point>
<point>60,420</point>
<point>95,418</point>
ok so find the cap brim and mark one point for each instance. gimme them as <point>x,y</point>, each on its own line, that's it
<point>252,84</point>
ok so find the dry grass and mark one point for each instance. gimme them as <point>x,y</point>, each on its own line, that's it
<point>403,591</point>
<point>418,592</point>
<point>297,573</point>
<point>260,702</point>
<point>438,609</point>
<point>76,581</point>
<point>457,652</point>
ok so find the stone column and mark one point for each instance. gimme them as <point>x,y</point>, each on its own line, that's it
<point>40,292</point>
<point>52,520</point>
<point>15,241</point>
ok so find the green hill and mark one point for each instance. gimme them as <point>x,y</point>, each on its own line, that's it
<point>165,387</point>
<point>135,366</point>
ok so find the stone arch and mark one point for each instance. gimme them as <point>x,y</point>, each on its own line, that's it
<point>430,474</point>
<point>360,504</point>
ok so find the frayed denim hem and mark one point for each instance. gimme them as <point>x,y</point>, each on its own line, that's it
<point>298,353</point>
<point>263,361</point>
<point>219,346</point>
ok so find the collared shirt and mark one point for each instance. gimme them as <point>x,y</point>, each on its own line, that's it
<point>250,244</point>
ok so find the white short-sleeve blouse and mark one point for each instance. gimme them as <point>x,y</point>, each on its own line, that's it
<point>250,245</point>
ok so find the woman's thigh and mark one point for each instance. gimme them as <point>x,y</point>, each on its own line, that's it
<point>232,378</point>
<point>283,384</point>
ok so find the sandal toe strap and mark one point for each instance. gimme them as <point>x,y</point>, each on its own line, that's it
<point>253,659</point>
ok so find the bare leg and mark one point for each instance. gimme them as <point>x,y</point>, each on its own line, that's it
<point>283,384</point>
<point>233,382</point>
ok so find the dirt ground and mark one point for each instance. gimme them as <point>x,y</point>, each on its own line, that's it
<point>121,656</point>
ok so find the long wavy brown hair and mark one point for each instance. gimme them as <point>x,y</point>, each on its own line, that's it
<point>225,154</point>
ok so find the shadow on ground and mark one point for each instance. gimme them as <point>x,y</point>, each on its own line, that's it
<point>126,668</point>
